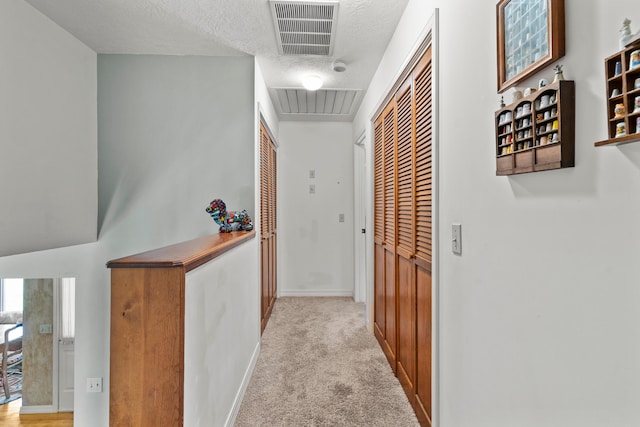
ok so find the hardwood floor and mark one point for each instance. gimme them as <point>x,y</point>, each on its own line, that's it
<point>10,417</point>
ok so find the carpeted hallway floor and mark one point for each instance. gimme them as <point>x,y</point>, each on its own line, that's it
<point>318,366</point>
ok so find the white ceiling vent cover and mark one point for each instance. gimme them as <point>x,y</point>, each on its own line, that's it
<point>327,102</point>
<point>305,28</point>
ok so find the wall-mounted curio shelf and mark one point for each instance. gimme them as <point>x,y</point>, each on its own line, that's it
<point>622,74</point>
<point>537,132</point>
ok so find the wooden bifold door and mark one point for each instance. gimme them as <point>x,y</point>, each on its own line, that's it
<point>268,254</point>
<point>403,234</point>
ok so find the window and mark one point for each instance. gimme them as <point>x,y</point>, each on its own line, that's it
<point>68,308</point>
<point>11,294</point>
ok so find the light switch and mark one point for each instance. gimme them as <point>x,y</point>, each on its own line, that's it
<point>94,385</point>
<point>312,173</point>
<point>340,217</point>
<point>456,239</point>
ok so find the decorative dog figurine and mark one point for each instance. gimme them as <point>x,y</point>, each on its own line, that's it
<point>226,220</point>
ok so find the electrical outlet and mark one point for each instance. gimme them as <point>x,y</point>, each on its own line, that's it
<point>45,329</point>
<point>94,385</point>
<point>340,217</point>
<point>312,189</point>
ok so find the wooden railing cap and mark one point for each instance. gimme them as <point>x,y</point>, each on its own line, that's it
<point>189,254</point>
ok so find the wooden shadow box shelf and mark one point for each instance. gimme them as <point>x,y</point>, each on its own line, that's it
<point>623,118</point>
<point>537,132</point>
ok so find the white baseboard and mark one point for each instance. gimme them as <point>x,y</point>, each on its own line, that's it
<point>38,409</point>
<point>231,419</point>
<point>315,293</point>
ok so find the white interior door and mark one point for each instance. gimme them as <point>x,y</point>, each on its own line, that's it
<point>66,345</point>
<point>65,379</point>
<point>360,223</point>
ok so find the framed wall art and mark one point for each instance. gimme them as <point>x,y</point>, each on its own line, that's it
<point>530,37</point>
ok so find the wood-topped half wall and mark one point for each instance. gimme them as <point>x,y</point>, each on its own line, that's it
<point>148,329</point>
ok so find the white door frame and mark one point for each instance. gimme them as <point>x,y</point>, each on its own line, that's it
<point>360,219</point>
<point>57,314</point>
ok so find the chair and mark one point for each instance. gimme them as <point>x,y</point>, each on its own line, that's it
<point>11,356</point>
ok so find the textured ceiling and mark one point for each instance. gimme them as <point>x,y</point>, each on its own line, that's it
<point>230,28</point>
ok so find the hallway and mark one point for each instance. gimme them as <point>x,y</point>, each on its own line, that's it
<point>319,366</point>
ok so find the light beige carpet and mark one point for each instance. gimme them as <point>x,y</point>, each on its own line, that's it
<point>319,366</point>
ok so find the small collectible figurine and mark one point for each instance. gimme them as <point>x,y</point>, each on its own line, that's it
<point>558,75</point>
<point>625,33</point>
<point>226,220</point>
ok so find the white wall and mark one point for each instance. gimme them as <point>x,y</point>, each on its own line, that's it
<point>175,132</point>
<point>265,105</point>
<point>315,251</point>
<point>222,336</point>
<point>538,317</point>
<point>86,264</point>
<point>48,134</point>
<point>401,46</point>
<point>540,312</point>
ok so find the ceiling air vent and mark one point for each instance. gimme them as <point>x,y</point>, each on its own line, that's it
<point>326,102</point>
<point>305,28</point>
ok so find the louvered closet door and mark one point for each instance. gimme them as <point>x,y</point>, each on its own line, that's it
<point>389,136</point>
<point>268,250</point>
<point>264,223</point>
<point>405,247</point>
<point>403,235</point>
<point>422,76</point>
<point>274,229</point>
<point>378,231</point>
<point>385,232</point>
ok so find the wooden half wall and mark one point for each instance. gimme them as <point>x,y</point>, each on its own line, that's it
<point>147,374</point>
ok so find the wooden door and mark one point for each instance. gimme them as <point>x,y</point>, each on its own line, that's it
<point>378,231</point>
<point>379,324</point>
<point>274,230</point>
<point>422,76</point>
<point>403,234</point>
<point>389,135</point>
<point>268,231</point>
<point>405,246</point>
<point>385,232</point>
